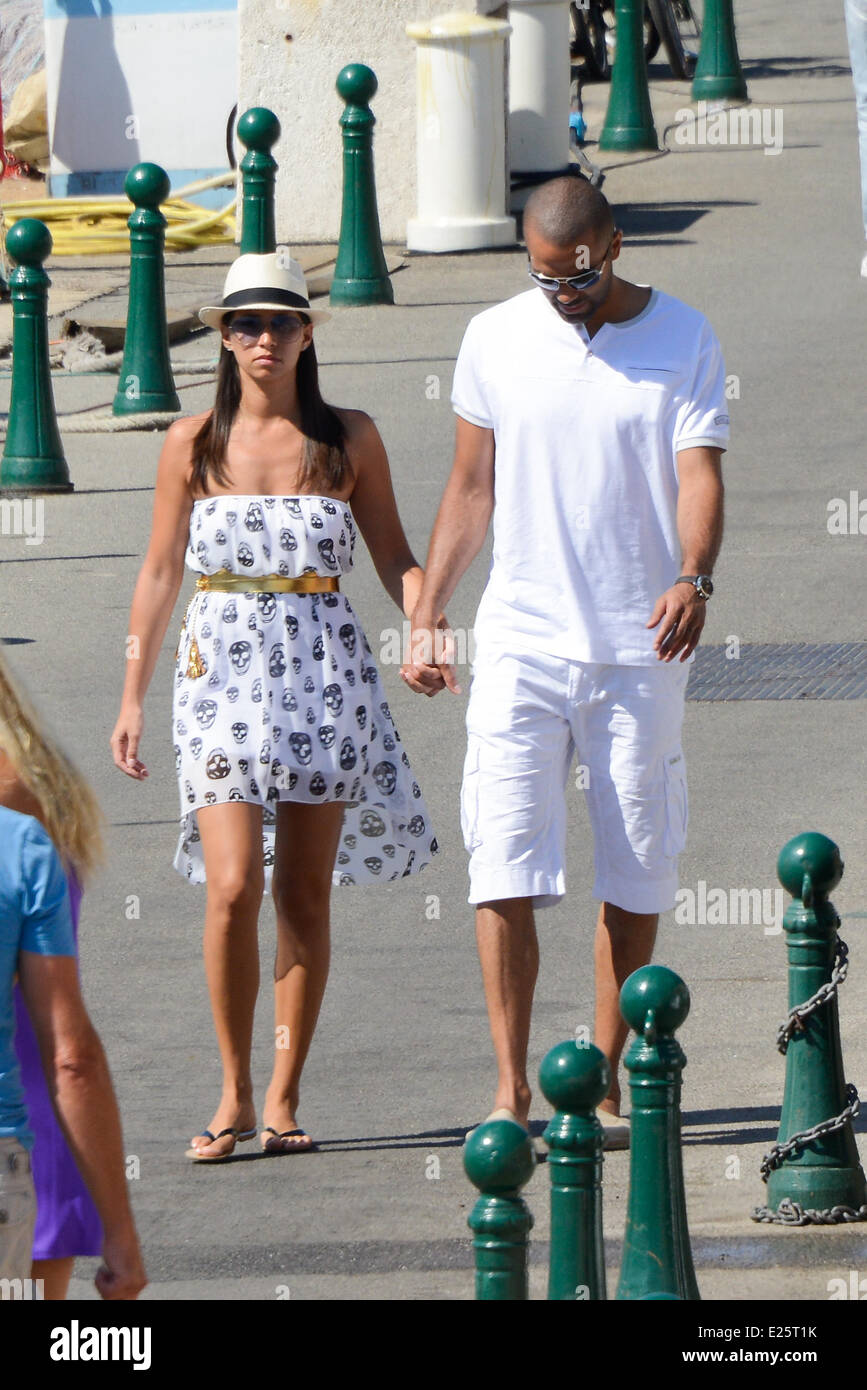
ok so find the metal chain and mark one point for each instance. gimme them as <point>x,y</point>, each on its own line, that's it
<point>794,1019</point>
<point>780,1152</point>
<point>791,1213</point>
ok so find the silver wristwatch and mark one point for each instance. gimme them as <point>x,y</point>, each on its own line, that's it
<point>702,583</point>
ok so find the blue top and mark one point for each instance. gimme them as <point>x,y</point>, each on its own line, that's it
<point>34,916</point>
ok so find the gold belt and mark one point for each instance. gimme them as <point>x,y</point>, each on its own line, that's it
<point>269,583</point>
<point>239,583</point>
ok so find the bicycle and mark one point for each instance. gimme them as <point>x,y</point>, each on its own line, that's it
<point>676,23</point>
<point>671,23</point>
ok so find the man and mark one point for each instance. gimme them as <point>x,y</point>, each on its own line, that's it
<point>36,940</point>
<point>591,423</point>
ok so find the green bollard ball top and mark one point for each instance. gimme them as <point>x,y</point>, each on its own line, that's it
<point>810,854</point>
<point>499,1157</point>
<point>357,84</point>
<point>575,1077</point>
<point>147,185</point>
<point>258,129</point>
<point>29,242</point>
<point>654,989</point>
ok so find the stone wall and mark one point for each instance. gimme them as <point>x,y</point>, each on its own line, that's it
<point>290,54</point>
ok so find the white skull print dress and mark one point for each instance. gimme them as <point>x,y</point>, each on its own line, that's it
<point>289,704</point>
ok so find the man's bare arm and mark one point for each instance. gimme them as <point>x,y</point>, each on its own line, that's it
<point>458,535</point>
<point>700,508</point>
<point>680,612</point>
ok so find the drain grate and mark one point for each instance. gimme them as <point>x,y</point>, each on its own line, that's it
<point>781,671</point>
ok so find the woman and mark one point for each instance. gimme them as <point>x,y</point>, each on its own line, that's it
<point>37,780</point>
<point>290,772</point>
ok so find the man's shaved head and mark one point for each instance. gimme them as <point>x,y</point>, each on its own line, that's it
<point>568,210</point>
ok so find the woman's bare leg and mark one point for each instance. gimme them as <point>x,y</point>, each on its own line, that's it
<point>305,850</point>
<point>55,1276</point>
<point>234,869</point>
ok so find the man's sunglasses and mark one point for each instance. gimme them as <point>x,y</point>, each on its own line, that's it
<point>250,327</point>
<point>575,282</point>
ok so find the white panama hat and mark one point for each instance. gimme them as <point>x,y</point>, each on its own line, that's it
<point>272,281</point>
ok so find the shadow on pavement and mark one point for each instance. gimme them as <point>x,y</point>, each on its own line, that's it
<point>661,219</point>
<point>801,66</point>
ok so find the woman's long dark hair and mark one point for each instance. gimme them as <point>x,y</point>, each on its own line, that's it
<point>325,461</point>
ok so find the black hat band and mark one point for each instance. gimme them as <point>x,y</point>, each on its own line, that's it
<point>242,297</point>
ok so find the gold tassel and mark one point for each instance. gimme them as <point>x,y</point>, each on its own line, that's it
<point>195,665</point>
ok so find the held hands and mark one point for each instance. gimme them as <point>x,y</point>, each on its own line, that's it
<point>125,741</point>
<point>429,666</point>
<point>682,614</point>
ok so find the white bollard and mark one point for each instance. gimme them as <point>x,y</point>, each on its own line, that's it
<point>461,135</point>
<point>540,76</point>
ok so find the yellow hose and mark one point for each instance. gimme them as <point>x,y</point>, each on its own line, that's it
<point>98,226</point>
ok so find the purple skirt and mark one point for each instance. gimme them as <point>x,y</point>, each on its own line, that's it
<point>67,1222</point>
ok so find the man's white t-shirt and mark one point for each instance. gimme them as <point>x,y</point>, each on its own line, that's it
<point>587,432</point>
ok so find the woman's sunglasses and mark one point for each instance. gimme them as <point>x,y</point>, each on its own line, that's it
<point>575,282</point>
<point>250,327</point>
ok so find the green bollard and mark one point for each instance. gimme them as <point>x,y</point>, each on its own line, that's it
<point>499,1159</point>
<point>718,75</point>
<point>819,1178</point>
<point>33,458</point>
<point>574,1079</point>
<point>258,129</point>
<point>360,275</point>
<point>629,119</point>
<point>657,1259</point>
<point>145,385</point>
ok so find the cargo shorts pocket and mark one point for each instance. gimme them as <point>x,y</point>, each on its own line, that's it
<point>17,1218</point>
<point>676,805</point>
<point>470,801</point>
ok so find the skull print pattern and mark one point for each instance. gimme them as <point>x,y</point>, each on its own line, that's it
<point>290,704</point>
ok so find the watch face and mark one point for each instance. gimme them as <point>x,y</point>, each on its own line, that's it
<point>705,585</point>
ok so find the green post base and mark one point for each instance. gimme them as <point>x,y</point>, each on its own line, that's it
<point>33,459</point>
<point>145,403</point>
<point>657,1258</point>
<point>145,384</point>
<point>499,1159</point>
<point>629,118</point>
<point>360,275</point>
<point>718,75</point>
<point>30,475</point>
<point>357,291</point>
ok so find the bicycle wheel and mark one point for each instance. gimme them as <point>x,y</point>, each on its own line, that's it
<point>666,15</point>
<point>588,40</point>
<point>651,36</point>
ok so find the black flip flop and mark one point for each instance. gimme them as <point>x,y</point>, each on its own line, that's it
<point>239,1135</point>
<point>269,1147</point>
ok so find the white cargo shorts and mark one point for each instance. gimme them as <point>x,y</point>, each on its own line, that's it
<point>527,714</point>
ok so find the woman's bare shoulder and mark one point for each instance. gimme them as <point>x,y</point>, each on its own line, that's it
<point>184,431</point>
<point>360,428</point>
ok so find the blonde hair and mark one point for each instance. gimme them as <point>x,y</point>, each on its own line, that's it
<point>70,811</point>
